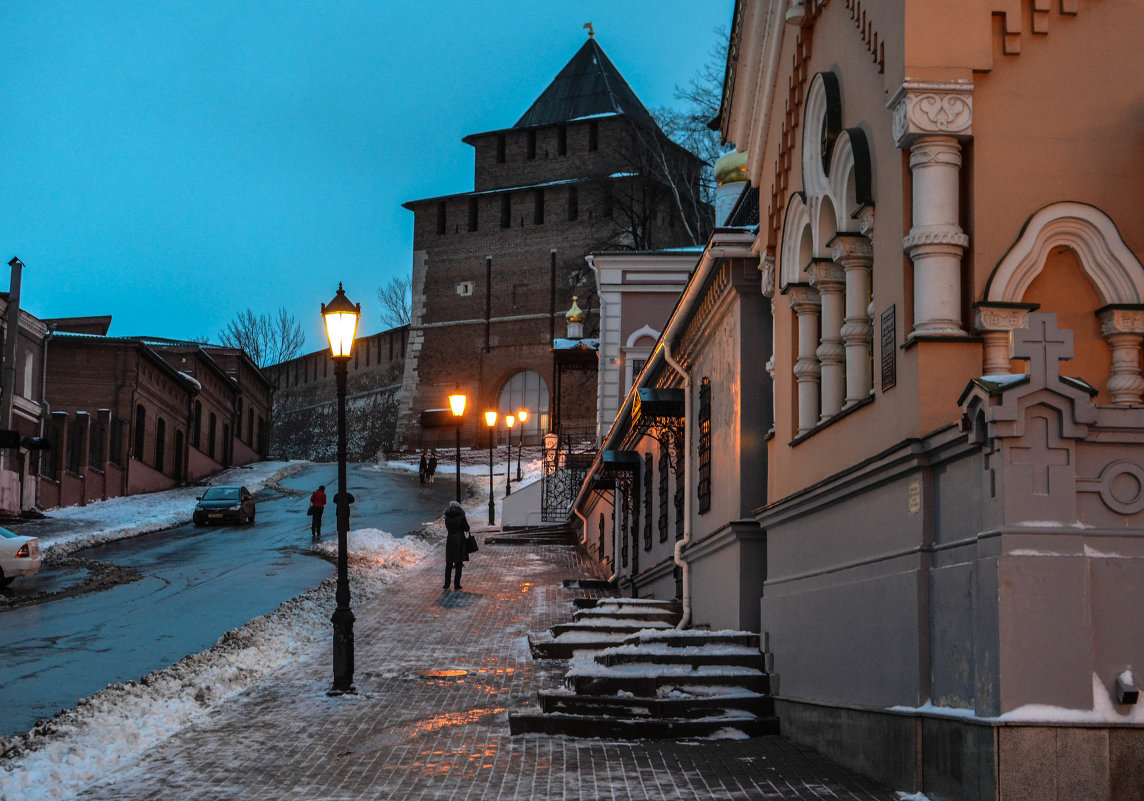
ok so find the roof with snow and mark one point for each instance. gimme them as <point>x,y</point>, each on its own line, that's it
<point>588,86</point>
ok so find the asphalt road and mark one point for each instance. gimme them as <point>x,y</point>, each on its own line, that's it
<point>195,584</point>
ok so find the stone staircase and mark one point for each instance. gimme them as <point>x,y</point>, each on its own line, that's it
<point>633,675</point>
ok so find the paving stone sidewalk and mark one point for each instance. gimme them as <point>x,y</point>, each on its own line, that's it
<point>436,673</point>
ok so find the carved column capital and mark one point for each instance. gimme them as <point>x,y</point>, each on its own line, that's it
<point>803,298</point>
<point>1001,316</point>
<point>852,249</point>
<point>767,268</point>
<point>1121,320</point>
<point>827,276</point>
<point>931,109</point>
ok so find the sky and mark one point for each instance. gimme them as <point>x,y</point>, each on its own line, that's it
<point>173,163</point>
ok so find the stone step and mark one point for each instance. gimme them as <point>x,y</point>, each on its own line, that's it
<point>677,706</point>
<point>744,657</point>
<point>626,613</point>
<point>646,681</point>
<point>594,726</point>
<point>609,625</point>
<point>545,646</point>
<point>694,637</point>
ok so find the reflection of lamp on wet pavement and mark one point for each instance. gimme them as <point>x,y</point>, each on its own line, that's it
<point>522,416</point>
<point>457,404</point>
<point>491,421</point>
<point>341,318</point>
<point>508,421</point>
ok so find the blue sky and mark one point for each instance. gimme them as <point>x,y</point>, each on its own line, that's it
<point>174,163</point>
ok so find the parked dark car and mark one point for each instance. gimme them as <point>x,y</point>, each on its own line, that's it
<point>225,504</point>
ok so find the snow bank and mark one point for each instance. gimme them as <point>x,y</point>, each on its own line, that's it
<point>119,518</point>
<point>113,728</point>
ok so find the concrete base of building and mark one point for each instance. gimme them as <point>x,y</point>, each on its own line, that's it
<point>957,759</point>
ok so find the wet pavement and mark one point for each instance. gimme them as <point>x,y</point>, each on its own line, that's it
<point>436,674</point>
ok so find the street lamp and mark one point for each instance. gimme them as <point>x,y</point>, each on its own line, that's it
<point>491,421</point>
<point>341,318</point>
<point>457,404</point>
<point>508,421</point>
<point>522,416</point>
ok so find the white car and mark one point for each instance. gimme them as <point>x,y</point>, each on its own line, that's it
<point>19,556</point>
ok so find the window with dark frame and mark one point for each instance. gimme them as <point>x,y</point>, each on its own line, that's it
<point>562,140</point>
<point>532,144</point>
<point>593,136</point>
<point>75,446</point>
<point>500,149</point>
<point>160,443</point>
<point>664,466</point>
<point>647,483</point>
<point>538,206</point>
<point>704,420</point>
<point>140,421</point>
<point>505,211</point>
<point>212,429</point>
<point>196,432</point>
<point>472,214</point>
<point>95,444</point>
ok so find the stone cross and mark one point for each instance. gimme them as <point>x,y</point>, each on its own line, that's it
<point>1043,345</point>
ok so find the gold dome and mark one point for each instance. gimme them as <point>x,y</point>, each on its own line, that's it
<point>731,168</point>
<point>575,314</point>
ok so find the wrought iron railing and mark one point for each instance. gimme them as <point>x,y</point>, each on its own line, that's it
<point>567,457</point>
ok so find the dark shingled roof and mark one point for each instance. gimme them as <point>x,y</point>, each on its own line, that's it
<point>589,85</point>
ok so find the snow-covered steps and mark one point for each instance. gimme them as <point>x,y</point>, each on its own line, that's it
<point>539,535</point>
<point>657,683</point>
<point>606,622</point>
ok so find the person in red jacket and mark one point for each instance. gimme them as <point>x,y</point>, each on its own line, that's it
<point>317,506</point>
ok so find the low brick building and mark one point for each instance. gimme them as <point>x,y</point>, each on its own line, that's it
<point>130,415</point>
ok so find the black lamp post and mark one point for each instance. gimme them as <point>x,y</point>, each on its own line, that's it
<point>457,404</point>
<point>341,318</point>
<point>508,421</point>
<point>522,416</point>
<point>491,421</point>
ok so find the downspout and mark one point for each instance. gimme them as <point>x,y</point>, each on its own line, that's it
<point>684,568</point>
<point>45,407</point>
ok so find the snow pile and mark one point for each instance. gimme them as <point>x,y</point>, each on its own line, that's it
<point>129,516</point>
<point>376,548</point>
<point>114,727</point>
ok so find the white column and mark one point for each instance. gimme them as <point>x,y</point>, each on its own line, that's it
<point>931,119</point>
<point>1124,331</point>
<point>805,303</point>
<point>856,256</point>
<point>995,323</point>
<point>830,281</point>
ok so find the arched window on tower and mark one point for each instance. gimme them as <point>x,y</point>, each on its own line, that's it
<point>526,390</point>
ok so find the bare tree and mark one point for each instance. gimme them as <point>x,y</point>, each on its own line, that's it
<point>266,338</point>
<point>396,299</point>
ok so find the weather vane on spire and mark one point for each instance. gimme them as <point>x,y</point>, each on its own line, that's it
<point>591,31</point>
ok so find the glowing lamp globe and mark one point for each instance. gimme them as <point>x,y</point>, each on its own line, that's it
<point>341,318</point>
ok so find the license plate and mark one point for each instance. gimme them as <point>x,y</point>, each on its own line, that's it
<point>215,515</point>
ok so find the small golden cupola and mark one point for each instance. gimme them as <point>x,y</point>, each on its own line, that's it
<point>575,317</point>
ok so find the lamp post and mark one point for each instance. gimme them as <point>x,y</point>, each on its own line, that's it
<point>491,421</point>
<point>457,404</point>
<point>522,416</point>
<point>341,318</point>
<point>508,421</point>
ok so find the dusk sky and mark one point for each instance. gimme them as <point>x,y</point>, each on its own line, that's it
<point>174,163</point>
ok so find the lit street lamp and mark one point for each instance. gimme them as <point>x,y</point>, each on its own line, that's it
<point>522,416</point>
<point>341,318</point>
<point>491,421</point>
<point>457,404</point>
<point>508,421</point>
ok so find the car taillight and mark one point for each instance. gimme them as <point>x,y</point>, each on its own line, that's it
<point>24,552</point>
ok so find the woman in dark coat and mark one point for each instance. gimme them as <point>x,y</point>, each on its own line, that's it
<point>456,554</point>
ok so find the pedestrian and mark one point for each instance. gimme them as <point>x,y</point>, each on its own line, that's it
<point>317,506</point>
<point>423,467</point>
<point>431,468</point>
<point>456,547</point>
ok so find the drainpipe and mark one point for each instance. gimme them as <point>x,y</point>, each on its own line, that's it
<point>684,568</point>
<point>45,407</point>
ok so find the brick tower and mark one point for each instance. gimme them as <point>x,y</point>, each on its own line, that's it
<point>495,269</point>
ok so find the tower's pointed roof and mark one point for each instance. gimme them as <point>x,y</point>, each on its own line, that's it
<point>589,85</point>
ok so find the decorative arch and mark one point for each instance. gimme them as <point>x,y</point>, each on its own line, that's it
<point>646,331</point>
<point>822,123</point>
<point>850,179</point>
<point>526,389</point>
<point>1113,268</point>
<point>796,224</point>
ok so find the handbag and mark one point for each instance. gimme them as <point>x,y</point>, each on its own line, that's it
<point>310,511</point>
<point>471,544</point>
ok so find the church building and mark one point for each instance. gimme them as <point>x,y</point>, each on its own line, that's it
<point>895,424</point>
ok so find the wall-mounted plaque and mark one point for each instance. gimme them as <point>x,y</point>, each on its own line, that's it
<point>889,349</point>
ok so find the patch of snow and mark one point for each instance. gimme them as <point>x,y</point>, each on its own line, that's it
<point>1095,554</point>
<point>904,796</point>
